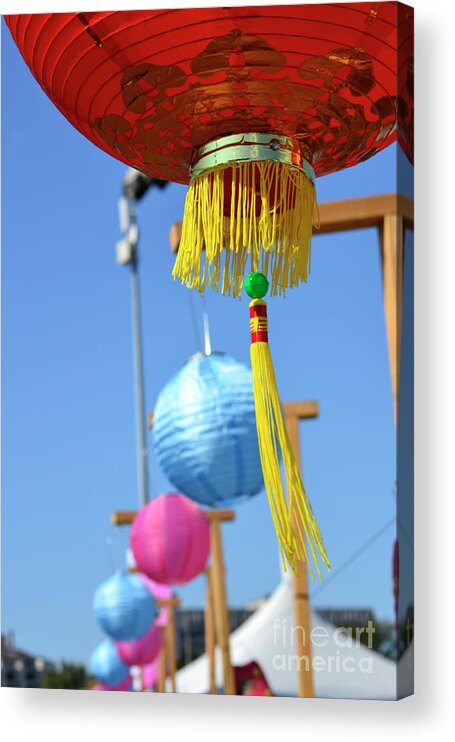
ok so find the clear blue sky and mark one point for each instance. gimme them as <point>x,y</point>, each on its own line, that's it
<point>68,406</point>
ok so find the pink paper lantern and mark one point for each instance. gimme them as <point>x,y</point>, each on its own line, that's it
<point>170,539</point>
<point>143,650</point>
<point>150,675</point>
<point>159,592</point>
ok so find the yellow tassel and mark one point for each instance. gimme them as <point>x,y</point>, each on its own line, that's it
<point>252,199</point>
<point>271,227</point>
<point>295,523</point>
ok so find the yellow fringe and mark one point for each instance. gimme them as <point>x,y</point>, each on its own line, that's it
<point>295,523</point>
<point>214,249</point>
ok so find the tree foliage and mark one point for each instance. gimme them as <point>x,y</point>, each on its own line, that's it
<point>69,676</point>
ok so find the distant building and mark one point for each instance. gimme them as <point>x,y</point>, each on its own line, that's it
<point>20,669</point>
<point>190,631</point>
<point>256,603</point>
<point>346,616</point>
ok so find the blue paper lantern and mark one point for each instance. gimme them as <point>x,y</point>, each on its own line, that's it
<point>124,607</point>
<point>204,431</point>
<point>106,665</point>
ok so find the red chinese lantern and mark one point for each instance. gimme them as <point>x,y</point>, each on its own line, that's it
<point>246,105</point>
<point>152,87</point>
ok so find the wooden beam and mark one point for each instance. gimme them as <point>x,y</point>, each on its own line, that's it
<point>339,216</point>
<point>126,517</point>
<point>301,410</point>
<point>359,213</point>
<point>175,234</point>
<point>217,515</point>
<point>123,517</point>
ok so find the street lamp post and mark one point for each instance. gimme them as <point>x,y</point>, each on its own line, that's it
<point>134,187</point>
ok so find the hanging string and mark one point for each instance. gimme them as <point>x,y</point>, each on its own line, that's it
<point>108,543</point>
<point>205,317</point>
<point>355,555</point>
<point>193,319</point>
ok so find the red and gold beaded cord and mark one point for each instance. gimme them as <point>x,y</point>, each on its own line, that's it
<point>295,523</point>
<point>258,321</point>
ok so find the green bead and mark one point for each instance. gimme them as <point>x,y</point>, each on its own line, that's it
<point>256,285</point>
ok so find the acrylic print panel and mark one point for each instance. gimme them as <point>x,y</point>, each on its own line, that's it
<point>164,456</point>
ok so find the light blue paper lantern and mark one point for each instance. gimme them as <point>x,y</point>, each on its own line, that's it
<point>204,431</point>
<point>106,665</point>
<point>124,607</point>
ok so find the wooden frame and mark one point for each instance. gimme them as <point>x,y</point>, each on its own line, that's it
<point>217,612</point>
<point>167,660</point>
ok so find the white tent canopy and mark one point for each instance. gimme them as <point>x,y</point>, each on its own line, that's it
<point>342,667</point>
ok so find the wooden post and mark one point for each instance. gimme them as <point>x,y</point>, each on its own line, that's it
<point>392,276</point>
<point>219,593</point>
<point>162,661</point>
<point>294,412</point>
<point>169,605</point>
<point>171,645</point>
<point>210,630</point>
